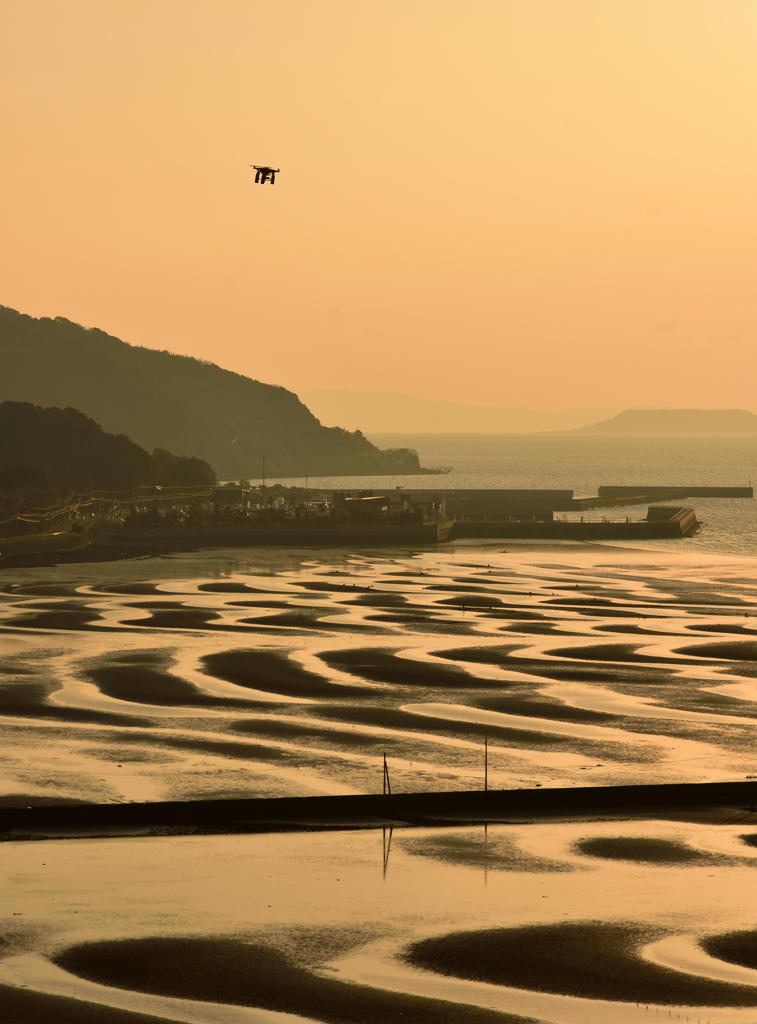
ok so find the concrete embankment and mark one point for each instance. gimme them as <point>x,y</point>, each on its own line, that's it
<point>716,800</point>
<point>116,543</point>
<point>664,492</point>
<point>661,523</point>
<point>291,535</point>
<point>110,545</point>
<point>44,543</point>
<point>495,513</point>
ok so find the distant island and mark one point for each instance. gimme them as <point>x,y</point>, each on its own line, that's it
<point>676,421</point>
<point>387,412</point>
<point>241,427</point>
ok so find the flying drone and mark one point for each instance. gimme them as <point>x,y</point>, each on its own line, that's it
<point>265,174</point>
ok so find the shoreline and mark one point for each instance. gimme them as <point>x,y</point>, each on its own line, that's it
<point>707,801</point>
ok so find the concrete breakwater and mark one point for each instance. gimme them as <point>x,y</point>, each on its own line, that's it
<point>664,492</point>
<point>98,532</point>
<point>662,523</point>
<point>502,502</point>
<point>294,534</point>
<point>113,543</point>
<point>375,810</point>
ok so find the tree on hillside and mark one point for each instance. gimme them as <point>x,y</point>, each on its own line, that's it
<point>181,470</point>
<point>81,453</point>
<point>188,406</point>
<point>26,484</point>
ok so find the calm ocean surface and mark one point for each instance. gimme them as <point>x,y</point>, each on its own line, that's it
<point>583,463</point>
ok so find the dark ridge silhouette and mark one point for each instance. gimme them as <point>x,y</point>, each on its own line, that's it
<point>25,484</point>
<point>676,421</point>
<point>45,454</point>
<point>185,405</point>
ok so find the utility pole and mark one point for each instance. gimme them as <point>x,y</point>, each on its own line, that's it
<point>263,458</point>
<point>486,764</point>
<point>387,782</point>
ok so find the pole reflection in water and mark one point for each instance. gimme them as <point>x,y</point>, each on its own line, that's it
<point>387,846</point>
<point>486,853</point>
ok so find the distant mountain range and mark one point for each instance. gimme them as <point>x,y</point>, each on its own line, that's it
<point>677,421</point>
<point>188,406</point>
<point>384,412</point>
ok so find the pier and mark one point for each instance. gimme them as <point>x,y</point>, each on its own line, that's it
<point>661,522</point>
<point>666,491</point>
<point>502,502</point>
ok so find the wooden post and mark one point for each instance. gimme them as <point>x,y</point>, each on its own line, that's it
<point>387,782</point>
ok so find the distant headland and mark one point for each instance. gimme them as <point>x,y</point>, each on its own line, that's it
<point>241,427</point>
<point>676,421</point>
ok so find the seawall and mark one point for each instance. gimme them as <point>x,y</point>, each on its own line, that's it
<point>662,523</point>
<point>665,492</point>
<point>187,537</point>
<point>374,810</point>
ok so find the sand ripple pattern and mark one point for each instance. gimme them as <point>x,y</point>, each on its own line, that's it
<point>282,673</point>
<point>270,673</point>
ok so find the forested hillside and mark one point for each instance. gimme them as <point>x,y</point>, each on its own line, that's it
<point>47,454</point>
<point>185,405</point>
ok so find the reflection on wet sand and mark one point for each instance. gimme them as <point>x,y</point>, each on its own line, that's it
<point>458,924</point>
<point>275,673</point>
<point>481,847</point>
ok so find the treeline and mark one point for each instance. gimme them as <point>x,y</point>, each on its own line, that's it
<point>47,455</point>
<point>188,406</point>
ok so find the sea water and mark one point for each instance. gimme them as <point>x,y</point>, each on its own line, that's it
<point>582,463</point>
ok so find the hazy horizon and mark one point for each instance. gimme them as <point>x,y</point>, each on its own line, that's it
<point>385,412</point>
<point>475,201</point>
<point>449,721</point>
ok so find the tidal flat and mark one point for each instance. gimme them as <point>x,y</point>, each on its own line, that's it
<point>283,673</point>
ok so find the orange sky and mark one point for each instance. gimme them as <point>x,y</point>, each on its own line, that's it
<point>535,203</point>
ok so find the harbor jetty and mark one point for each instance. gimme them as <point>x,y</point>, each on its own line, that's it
<point>151,520</point>
<point>661,522</point>
<point>665,492</point>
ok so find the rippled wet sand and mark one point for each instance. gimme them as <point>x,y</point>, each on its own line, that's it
<point>270,673</point>
<point>458,924</point>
